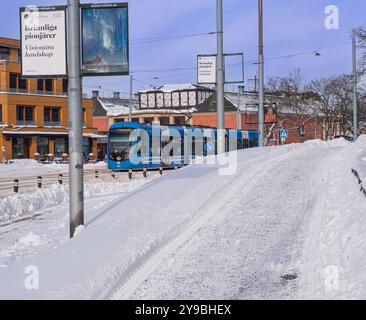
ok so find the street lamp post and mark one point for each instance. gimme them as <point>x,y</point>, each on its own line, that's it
<point>261,124</point>
<point>130,104</point>
<point>220,79</point>
<point>355,106</point>
<point>75,119</point>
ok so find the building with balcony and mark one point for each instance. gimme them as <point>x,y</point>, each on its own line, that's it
<point>34,112</point>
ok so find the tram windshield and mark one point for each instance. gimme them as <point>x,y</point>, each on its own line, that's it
<point>120,146</point>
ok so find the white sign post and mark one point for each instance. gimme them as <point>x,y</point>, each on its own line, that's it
<point>43,38</point>
<point>206,69</point>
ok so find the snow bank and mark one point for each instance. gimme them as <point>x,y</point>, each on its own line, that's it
<point>29,165</point>
<point>335,251</point>
<point>27,204</point>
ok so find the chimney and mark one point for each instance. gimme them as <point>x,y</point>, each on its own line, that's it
<point>95,93</point>
<point>116,95</point>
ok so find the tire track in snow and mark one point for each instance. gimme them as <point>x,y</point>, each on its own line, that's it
<point>144,266</point>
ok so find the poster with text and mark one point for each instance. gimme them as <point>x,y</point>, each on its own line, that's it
<point>105,49</point>
<point>206,69</point>
<point>43,41</point>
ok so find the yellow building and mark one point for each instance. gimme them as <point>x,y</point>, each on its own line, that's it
<point>34,112</point>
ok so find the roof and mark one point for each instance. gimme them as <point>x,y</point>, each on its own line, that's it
<point>166,111</point>
<point>210,105</point>
<point>112,106</point>
<point>168,88</point>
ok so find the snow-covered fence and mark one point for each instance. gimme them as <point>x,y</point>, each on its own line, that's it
<point>357,175</point>
<point>31,183</point>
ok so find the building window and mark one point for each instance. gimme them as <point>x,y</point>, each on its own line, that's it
<point>1,114</point>
<point>184,99</point>
<point>25,115</point>
<point>51,116</point>
<point>40,85</point>
<point>160,100</point>
<point>84,118</point>
<point>60,147</point>
<point>22,84</point>
<point>4,53</point>
<point>86,147</point>
<point>13,81</point>
<point>48,85</point>
<point>167,100</point>
<point>20,148</point>
<point>192,98</point>
<point>65,85</point>
<point>143,100</point>
<point>175,99</point>
<point>42,147</point>
<point>151,100</point>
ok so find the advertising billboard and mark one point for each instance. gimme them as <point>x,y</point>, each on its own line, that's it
<point>43,41</point>
<point>105,49</point>
<point>206,69</point>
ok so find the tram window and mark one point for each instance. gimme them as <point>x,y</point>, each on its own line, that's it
<point>139,151</point>
<point>150,145</point>
<point>171,152</point>
<point>240,144</point>
<point>245,143</point>
<point>193,146</point>
<point>205,146</point>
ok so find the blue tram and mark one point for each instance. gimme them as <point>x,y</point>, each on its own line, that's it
<point>137,146</point>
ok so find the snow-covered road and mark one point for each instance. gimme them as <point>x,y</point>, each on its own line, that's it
<point>252,237</point>
<point>289,224</point>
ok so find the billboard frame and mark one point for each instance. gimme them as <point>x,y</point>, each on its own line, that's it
<point>44,9</point>
<point>241,54</point>
<point>104,6</point>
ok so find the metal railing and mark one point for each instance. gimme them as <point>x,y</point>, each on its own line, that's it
<point>26,123</point>
<point>23,184</point>
<point>52,124</point>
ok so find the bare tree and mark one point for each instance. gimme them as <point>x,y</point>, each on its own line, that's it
<point>335,97</point>
<point>293,100</point>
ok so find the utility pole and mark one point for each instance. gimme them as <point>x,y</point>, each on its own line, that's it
<point>131,89</point>
<point>75,119</point>
<point>220,79</point>
<point>238,112</point>
<point>261,128</point>
<point>255,80</point>
<point>355,106</point>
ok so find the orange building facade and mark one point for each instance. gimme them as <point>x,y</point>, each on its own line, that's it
<point>34,112</point>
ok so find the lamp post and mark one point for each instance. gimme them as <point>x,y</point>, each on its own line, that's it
<point>220,79</point>
<point>261,124</point>
<point>355,106</point>
<point>130,104</point>
<point>75,119</point>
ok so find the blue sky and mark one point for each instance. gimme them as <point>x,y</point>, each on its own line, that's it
<point>291,26</point>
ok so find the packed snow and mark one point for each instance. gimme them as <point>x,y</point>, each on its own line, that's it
<point>289,224</point>
<point>28,166</point>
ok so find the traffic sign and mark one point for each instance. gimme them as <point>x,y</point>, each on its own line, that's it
<point>284,135</point>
